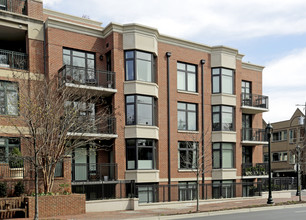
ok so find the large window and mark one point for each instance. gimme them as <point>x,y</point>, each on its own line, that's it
<point>223,118</point>
<point>140,154</point>
<point>187,154</point>
<point>6,147</point>
<point>223,155</point>
<point>8,98</point>
<point>140,110</point>
<point>139,66</point>
<point>186,77</point>
<point>222,81</point>
<point>187,116</point>
<point>80,64</point>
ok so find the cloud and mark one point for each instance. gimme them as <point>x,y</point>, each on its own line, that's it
<point>48,3</point>
<point>284,82</point>
<point>214,20</point>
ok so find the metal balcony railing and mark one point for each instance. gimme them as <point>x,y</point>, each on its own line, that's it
<point>94,172</point>
<point>253,100</point>
<point>253,134</point>
<point>89,124</point>
<point>85,76</point>
<point>12,59</point>
<point>16,6</point>
<point>13,167</point>
<point>258,169</point>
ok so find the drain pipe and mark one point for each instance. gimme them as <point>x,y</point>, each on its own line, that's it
<point>168,54</point>
<point>202,107</point>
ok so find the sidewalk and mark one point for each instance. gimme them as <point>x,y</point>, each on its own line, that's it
<point>207,206</point>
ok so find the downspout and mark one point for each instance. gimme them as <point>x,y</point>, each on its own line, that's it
<point>168,54</point>
<point>45,53</point>
<point>202,107</point>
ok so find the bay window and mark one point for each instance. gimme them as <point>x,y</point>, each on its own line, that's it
<point>139,66</point>
<point>140,154</point>
<point>223,155</point>
<point>222,118</point>
<point>222,81</point>
<point>140,110</point>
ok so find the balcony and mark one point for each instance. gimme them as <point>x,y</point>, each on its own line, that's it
<point>259,170</point>
<point>94,172</point>
<point>78,78</point>
<point>253,104</point>
<point>15,6</point>
<point>253,137</point>
<point>13,168</point>
<point>14,60</point>
<point>88,126</point>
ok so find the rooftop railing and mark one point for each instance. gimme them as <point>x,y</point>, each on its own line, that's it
<point>253,100</point>
<point>86,76</point>
<point>12,59</point>
<point>16,6</point>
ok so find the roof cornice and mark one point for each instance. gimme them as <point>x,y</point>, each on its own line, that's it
<point>72,18</point>
<point>251,66</point>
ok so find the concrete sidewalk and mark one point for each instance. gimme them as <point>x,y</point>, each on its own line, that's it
<point>166,213</point>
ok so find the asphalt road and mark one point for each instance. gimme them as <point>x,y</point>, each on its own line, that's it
<point>275,213</point>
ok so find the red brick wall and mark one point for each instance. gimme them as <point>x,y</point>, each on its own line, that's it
<point>52,206</point>
<point>35,9</point>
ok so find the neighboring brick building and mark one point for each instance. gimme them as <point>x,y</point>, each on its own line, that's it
<point>287,135</point>
<point>166,93</point>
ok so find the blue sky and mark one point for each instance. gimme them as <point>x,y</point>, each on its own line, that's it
<point>270,33</point>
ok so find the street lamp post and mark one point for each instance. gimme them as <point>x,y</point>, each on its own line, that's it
<point>298,151</point>
<point>269,130</point>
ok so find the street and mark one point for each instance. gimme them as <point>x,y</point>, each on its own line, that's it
<point>275,213</point>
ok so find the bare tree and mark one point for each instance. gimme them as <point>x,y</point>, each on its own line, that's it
<point>53,120</point>
<point>199,161</point>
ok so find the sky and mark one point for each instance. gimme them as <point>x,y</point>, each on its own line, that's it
<point>270,33</point>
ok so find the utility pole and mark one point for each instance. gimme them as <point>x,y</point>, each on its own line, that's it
<point>299,153</point>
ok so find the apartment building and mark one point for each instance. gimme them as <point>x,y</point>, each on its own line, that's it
<point>175,103</point>
<point>287,137</point>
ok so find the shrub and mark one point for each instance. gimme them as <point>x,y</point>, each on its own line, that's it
<point>19,189</point>
<point>15,159</point>
<point>3,189</point>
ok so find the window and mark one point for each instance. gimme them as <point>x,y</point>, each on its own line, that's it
<point>186,77</point>
<point>266,158</point>
<point>139,66</point>
<point>280,135</point>
<point>187,191</point>
<point>291,158</point>
<point>8,98</point>
<point>222,81</point>
<point>140,110</point>
<point>223,155</point>
<point>279,156</point>
<point>140,154</point>
<point>6,147</point>
<point>187,116</point>
<point>187,154</point>
<point>147,193</point>
<point>223,118</point>
<point>292,136</point>
<point>223,189</point>
<point>80,64</point>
